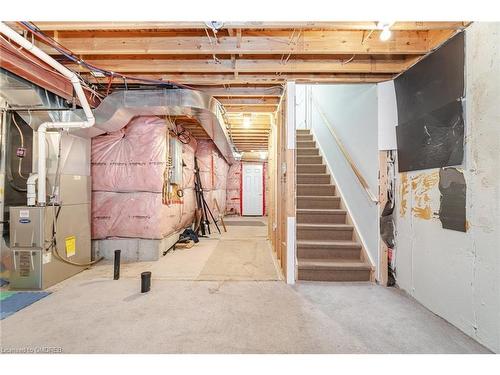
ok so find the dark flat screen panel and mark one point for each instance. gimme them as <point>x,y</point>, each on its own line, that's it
<point>432,141</point>
<point>433,82</point>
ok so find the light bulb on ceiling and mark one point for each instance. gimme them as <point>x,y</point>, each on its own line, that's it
<point>385,35</point>
<point>263,155</point>
<point>247,121</point>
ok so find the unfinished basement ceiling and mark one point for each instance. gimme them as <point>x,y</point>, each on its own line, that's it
<point>245,64</point>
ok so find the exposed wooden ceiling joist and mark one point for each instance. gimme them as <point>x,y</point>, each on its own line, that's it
<point>256,79</point>
<point>246,108</point>
<point>246,91</point>
<point>252,130</point>
<point>367,25</point>
<point>248,101</point>
<point>249,66</point>
<point>309,42</point>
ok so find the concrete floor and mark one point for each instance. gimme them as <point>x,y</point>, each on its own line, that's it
<point>91,313</point>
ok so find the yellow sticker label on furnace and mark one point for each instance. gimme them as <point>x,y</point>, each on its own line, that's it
<point>70,246</point>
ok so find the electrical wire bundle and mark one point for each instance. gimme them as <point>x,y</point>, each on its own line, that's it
<point>68,54</point>
<point>183,135</point>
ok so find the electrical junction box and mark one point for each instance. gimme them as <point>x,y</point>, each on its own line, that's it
<point>176,155</point>
<point>35,266</point>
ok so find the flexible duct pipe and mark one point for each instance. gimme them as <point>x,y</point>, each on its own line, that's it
<point>89,122</point>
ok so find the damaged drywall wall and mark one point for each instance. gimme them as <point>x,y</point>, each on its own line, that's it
<point>456,273</point>
<point>422,185</point>
<point>404,190</point>
<point>452,206</point>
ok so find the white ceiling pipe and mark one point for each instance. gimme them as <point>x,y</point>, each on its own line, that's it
<point>42,171</point>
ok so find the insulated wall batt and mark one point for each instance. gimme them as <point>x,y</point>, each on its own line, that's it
<point>128,170</point>
<point>131,159</point>
<point>133,215</point>
<point>234,189</point>
<point>213,175</point>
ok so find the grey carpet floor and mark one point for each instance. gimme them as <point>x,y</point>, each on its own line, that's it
<point>104,316</point>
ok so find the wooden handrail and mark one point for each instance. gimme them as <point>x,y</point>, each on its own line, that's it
<point>355,169</point>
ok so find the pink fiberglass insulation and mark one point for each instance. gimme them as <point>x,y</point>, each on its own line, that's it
<point>221,169</point>
<point>188,151</point>
<point>128,165</point>
<point>135,215</point>
<point>233,189</point>
<point>213,174</point>
<point>131,159</point>
<point>139,214</point>
<point>204,154</point>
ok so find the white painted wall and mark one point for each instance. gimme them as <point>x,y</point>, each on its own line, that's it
<point>300,107</point>
<point>352,111</point>
<point>387,115</point>
<point>457,275</point>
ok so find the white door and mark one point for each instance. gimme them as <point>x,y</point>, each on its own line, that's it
<point>252,189</point>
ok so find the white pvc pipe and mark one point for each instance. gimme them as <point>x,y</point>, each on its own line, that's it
<point>42,171</point>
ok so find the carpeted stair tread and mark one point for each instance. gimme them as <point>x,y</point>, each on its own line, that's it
<point>334,211</point>
<point>320,197</point>
<point>328,243</point>
<point>338,264</point>
<point>325,226</point>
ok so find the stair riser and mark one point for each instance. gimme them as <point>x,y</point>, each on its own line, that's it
<point>329,253</point>
<point>303,131</point>
<point>334,275</point>
<point>317,203</point>
<point>320,168</point>
<point>309,160</point>
<point>317,190</point>
<point>323,218</point>
<point>315,179</point>
<point>304,137</point>
<point>323,234</point>
<point>306,144</point>
<point>307,151</point>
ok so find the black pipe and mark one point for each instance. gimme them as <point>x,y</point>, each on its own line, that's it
<point>145,281</point>
<point>116,274</point>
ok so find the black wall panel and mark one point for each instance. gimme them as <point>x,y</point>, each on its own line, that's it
<point>430,127</point>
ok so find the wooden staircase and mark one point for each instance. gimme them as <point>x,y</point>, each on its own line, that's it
<point>328,248</point>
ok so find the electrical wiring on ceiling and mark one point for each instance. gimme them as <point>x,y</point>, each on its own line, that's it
<point>21,136</point>
<point>72,57</point>
<point>37,63</point>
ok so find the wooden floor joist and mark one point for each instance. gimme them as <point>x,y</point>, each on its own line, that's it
<point>348,25</point>
<point>258,42</point>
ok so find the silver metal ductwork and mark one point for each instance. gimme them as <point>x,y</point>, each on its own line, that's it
<point>117,109</point>
<point>34,104</point>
